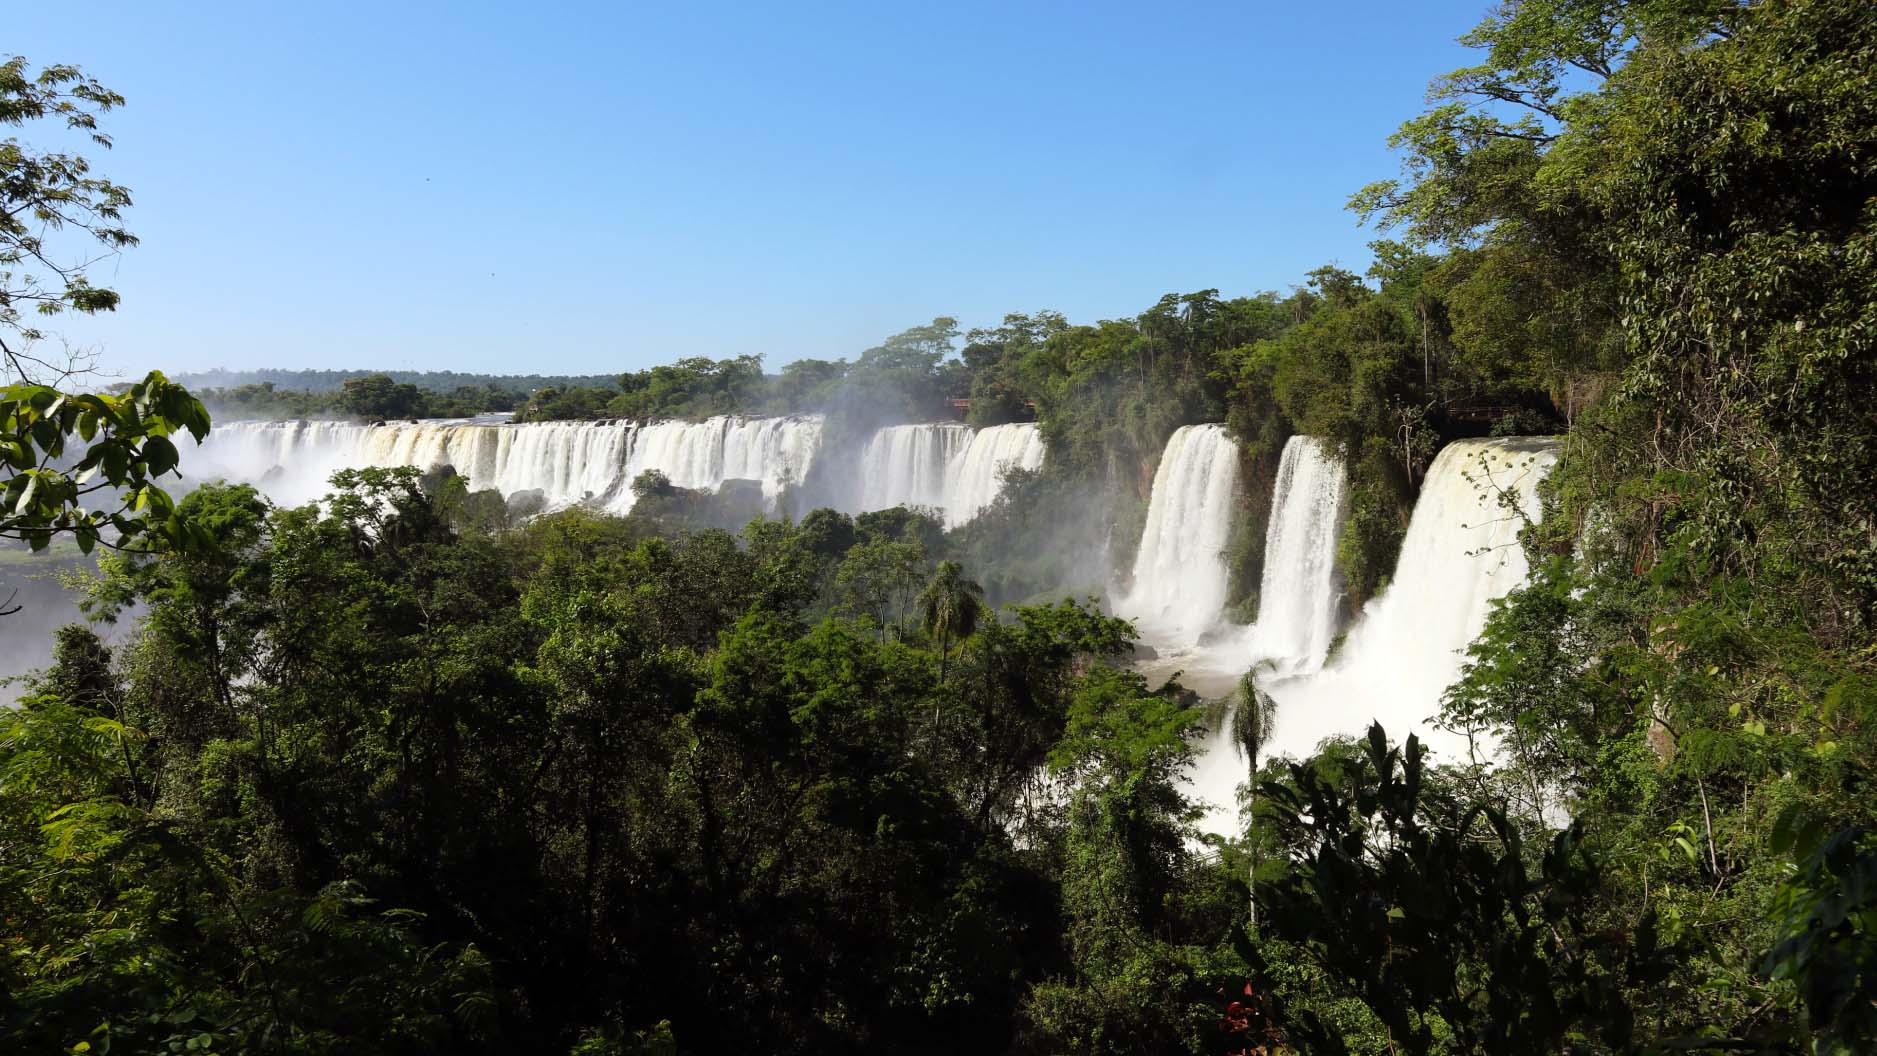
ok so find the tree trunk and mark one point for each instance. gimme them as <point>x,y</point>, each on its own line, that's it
<point>1251,875</point>
<point>936,705</point>
<point>1427,361</point>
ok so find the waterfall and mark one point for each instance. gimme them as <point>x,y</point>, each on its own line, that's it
<point>944,466</point>
<point>1297,601</point>
<point>1461,553</point>
<point>905,465</point>
<point>703,455</point>
<point>1179,572</point>
<point>1297,610</point>
<point>976,475</point>
<point>290,461</point>
<point>941,465</point>
<point>775,451</point>
<point>569,462</point>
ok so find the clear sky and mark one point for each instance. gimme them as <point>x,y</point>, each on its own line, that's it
<point>589,187</point>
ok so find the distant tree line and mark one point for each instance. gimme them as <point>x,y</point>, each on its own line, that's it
<point>370,397</point>
<point>906,378</point>
<point>325,381</point>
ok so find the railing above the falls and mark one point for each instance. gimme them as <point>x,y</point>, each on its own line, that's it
<point>959,408</point>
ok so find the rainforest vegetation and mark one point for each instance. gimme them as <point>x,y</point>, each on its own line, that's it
<point>404,772</point>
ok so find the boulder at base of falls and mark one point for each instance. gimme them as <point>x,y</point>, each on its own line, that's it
<point>526,503</point>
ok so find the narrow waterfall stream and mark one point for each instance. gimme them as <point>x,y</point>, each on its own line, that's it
<point>1299,593</point>
<point>1179,583</point>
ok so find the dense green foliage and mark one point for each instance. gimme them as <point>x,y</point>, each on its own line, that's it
<point>1688,673</point>
<point>576,780</point>
<point>409,771</point>
<point>49,482</point>
<point>1431,913</point>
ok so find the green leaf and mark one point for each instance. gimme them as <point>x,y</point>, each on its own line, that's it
<point>26,497</point>
<point>160,454</point>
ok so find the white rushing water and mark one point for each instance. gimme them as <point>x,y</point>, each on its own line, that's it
<point>568,462</point>
<point>1298,597</point>
<point>944,466</point>
<point>1179,582</point>
<point>905,465</point>
<point>1300,594</point>
<point>290,461</point>
<point>976,475</point>
<point>703,455</point>
<point>1461,553</point>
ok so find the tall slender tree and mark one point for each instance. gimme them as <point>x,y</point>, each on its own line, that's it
<point>949,607</point>
<point>1254,720</point>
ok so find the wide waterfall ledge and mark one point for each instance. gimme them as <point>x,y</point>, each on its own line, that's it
<point>944,466</point>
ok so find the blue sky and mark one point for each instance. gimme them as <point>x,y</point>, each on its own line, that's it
<point>586,188</point>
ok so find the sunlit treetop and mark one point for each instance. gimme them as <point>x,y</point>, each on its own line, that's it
<point>1478,155</point>
<point>57,220</point>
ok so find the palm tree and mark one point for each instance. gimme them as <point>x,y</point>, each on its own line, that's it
<point>1253,722</point>
<point>950,606</point>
